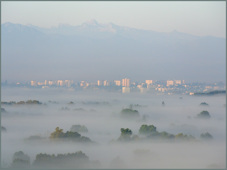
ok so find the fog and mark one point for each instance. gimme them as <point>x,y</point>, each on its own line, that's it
<point>100,112</point>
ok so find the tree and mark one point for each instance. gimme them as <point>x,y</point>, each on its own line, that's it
<point>204,114</point>
<point>3,129</point>
<point>69,160</point>
<point>126,131</point>
<point>70,134</point>
<point>75,136</point>
<point>204,104</point>
<point>129,113</point>
<point>21,102</point>
<point>20,160</point>
<point>125,135</point>
<point>58,133</point>
<point>166,135</point>
<point>145,129</point>
<point>33,102</point>
<point>181,136</point>
<point>206,136</point>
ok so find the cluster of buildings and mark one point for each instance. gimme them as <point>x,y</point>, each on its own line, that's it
<point>127,86</point>
<point>70,83</point>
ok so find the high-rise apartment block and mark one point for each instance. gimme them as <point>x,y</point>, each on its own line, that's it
<point>177,81</point>
<point>33,83</point>
<point>60,82</point>
<point>105,83</point>
<point>125,82</point>
<point>82,83</point>
<point>40,83</point>
<point>169,83</point>
<point>50,83</point>
<point>148,82</point>
<point>99,83</point>
<point>117,82</point>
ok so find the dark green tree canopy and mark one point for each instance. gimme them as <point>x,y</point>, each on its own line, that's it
<point>126,131</point>
<point>206,136</point>
<point>75,136</point>
<point>204,114</point>
<point>58,133</point>
<point>70,160</point>
<point>147,129</point>
<point>129,113</point>
<point>204,104</point>
<point>20,160</point>
<point>125,135</point>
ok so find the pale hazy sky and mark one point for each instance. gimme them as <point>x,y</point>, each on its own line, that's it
<point>194,17</point>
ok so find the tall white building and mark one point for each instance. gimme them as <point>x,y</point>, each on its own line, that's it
<point>125,82</point>
<point>99,83</point>
<point>60,82</point>
<point>50,83</point>
<point>33,83</point>
<point>169,83</point>
<point>105,83</point>
<point>177,81</point>
<point>148,82</point>
<point>117,82</point>
<point>82,83</point>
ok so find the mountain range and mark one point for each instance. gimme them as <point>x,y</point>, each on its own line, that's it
<point>93,51</point>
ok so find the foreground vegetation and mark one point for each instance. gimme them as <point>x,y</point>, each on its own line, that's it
<point>149,133</point>
<point>129,113</point>
<point>29,102</point>
<point>74,160</point>
<point>69,135</point>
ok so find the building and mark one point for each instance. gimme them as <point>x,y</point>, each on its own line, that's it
<point>40,83</point>
<point>169,83</point>
<point>125,82</point>
<point>60,83</point>
<point>117,82</point>
<point>105,83</point>
<point>99,83</point>
<point>50,83</point>
<point>177,81</point>
<point>148,82</point>
<point>82,83</point>
<point>68,83</point>
<point>33,83</point>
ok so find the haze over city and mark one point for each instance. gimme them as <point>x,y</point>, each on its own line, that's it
<point>113,85</point>
<point>102,45</point>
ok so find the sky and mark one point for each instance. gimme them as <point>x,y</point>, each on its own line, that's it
<point>193,17</point>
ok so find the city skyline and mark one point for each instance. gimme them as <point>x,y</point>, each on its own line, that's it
<point>116,81</point>
<point>110,49</point>
<point>126,86</point>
